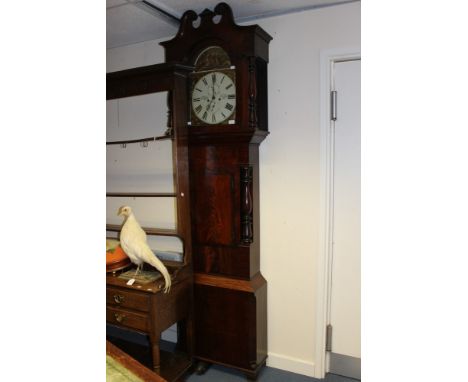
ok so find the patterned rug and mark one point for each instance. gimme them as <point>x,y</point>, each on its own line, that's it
<point>115,372</point>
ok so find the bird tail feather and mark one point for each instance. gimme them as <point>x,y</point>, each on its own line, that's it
<point>158,264</point>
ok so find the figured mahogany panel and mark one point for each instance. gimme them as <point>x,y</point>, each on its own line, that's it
<point>217,157</point>
<point>215,209</point>
<point>230,261</point>
<point>215,181</point>
<point>225,222</point>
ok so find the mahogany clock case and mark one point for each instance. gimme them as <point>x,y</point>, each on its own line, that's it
<point>230,294</point>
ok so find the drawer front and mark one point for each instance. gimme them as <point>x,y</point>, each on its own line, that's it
<point>137,301</point>
<point>138,321</point>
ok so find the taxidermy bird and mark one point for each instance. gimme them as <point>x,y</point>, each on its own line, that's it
<point>133,242</point>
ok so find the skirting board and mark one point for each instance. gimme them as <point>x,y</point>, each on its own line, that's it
<point>294,365</point>
<point>345,365</point>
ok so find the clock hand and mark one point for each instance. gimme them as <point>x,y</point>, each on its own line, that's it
<point>214,103</point>
<point>215,96</point>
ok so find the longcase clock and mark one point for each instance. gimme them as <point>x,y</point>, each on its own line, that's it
<point>227,108</point>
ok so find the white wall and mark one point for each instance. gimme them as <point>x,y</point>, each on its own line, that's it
<point>290,176</point>
<point>289,169</point>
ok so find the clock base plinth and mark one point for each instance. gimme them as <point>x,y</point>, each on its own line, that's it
<point>253,375</point>
<point>231,312</point>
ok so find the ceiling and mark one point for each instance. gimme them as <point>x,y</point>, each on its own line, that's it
<point>132,21</point>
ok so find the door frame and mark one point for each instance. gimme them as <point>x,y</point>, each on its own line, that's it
<point>328,58</point>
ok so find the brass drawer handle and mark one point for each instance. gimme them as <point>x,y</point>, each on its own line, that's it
<point>119,317</point>
<point>119,298</point>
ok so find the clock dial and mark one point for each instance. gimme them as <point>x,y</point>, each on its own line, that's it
<point>214,98</point>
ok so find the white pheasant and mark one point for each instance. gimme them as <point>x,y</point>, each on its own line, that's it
<point>133,242</point>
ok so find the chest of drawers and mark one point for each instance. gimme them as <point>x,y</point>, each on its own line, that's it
<point>147,309</point>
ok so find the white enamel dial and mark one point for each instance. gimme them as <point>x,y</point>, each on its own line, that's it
<point>214,98</point>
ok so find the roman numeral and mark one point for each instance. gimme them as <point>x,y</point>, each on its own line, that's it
<point>205,81</point>
<point>213,78</point>
<point>196,100</point>
<point>223,115</point>
<point>198,89</point>
<point>198,108</point>
<point>204,115</point>
<point>222,79</point>
<point>229,106</point>
<point>229,86</point>
<point>231,96</point>
<point>213,118</point>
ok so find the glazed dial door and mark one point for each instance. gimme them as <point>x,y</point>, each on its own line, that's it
<point>214,98</point>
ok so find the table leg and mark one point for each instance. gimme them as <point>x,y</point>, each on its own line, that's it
<point>155,353</point>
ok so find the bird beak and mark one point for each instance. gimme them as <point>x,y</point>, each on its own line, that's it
<point>119,212</point>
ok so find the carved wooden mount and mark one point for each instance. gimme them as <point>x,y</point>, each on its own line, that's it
<point>252,94</point>
<point>215,28</point>
<point>207,20</point>
<point>246,204</point>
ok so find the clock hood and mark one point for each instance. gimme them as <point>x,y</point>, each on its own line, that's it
<point>190,40</point>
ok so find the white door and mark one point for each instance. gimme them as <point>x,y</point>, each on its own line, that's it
<point>345,301</point>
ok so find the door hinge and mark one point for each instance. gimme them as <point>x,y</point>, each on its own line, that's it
<point>333,96</point>
<point>328,343</point>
